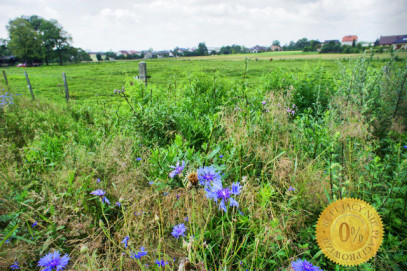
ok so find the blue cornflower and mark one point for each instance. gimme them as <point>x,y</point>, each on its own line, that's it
<point>150,182</point>
<point>105,200</point>
<point>291,189</point>
<point>139,254</point>
<point>179,230</point>
<point>206,175</point>
<point>221,156</point>
<point>216,191</point>
<point>34,224</point>
<point>53,260</point>
<point>98,180</point>
<point>161,263</point>
<point>15,266</point>
<point>405,146</point>
<point>118,204</point>
<point>138,159</point>
<point>98,192</point>
<point>304,265</point>
<point>177,169</point>
<point>125,241</point>
<point>186,219</point>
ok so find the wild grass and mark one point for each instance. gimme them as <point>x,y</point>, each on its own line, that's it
<point>292,160</point>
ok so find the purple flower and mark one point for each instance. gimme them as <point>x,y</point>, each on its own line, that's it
<point>150,182</point>
<point>177,169</point>
<point>206,175</point>
<point>217,192</point>
<point>405,146</point>
<point>291,189</point>
<point>125,241</point>
<point>161,263</point>
<point>118,204</point>
<point>105,200</point>
<point>15,266</point>
<point>54,260</point>
<point>139,254</point>
<point>138,159</point>
<point>98,192</point>
<point>304,265</point>
<point>179,230</point>
<point>178,196</point>
<point>186,219</point>
<point>34,224</point>
<point>263,102</point>
<point>221,156</point>
<point>165,193</point>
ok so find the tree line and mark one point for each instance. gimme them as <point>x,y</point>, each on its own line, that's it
<point>34,39</point>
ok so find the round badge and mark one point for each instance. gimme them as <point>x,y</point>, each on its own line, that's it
<point>349,231</point>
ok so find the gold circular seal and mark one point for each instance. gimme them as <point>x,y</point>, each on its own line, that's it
<point>349,231</point>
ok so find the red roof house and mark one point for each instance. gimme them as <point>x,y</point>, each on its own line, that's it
<point>348,40</point>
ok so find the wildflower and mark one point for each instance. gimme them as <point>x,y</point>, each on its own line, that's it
<point>405,146</point>
<point>193,178</point>
<point>138,159</point>
<point>177,169</point>
<point>179,230</point>
<point>267,111</point>
<point>15,266</point>
<point>8,241</point>
<point>177,196</point>
<point>150,182</point>
<point>84,249</point>
<point>105,200</point>
<point>53,260</point>
<point>165,193</point>
<point>98,192</point>
<point>125,241</point>
<point>206,175</point>
<point>139,254</point>
<point>34,224</point>
<point>291,189</point>
<point>98,180</point>
<point>216,191</point>
<point>263,102</point>
<point>221,156</point>
<point>161,263</point>
<point>304,265</point>
<point>118,204</point>
<point>186,219</point>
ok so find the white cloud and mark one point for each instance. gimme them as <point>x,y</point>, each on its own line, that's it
<point>164,24</point>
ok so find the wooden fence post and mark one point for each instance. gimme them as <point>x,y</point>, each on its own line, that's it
<point>5,78</point>
<point>29,85</point>
<point>66,87</point>
<point>142,71</point>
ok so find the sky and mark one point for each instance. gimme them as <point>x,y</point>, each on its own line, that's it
<point>105,25</point>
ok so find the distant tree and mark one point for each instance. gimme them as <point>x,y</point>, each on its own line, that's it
<point>276,43</point>
<point>25,42</point>
<point>377,42</point>
<point>99,57</point>
<point>225,50</point>
<point>353,43</point>
<point>213,52</point>
<point>202,49</point>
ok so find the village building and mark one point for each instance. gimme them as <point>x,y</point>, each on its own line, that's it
<point>348,40</point>
<point>258,49</point>
<point>389,40</point>
<point>275,48</point>
<point>400,43</point>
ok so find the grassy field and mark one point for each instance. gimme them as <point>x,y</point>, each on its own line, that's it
<point>214,165</point>
<point>89,82</point>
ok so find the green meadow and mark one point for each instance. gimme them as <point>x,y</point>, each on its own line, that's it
<point>219,163</point>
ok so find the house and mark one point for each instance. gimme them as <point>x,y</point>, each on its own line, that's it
<point>7,60</point>
<point>258,49</point>
<point>389,40</point>
<point>331,41</point>
<point>348,40</point>
<point>123,52</point>
<point>213,49</point>
<point>93,55</point>
<point>400,43</point>
<point>276,48</point>
<point>148,55</point>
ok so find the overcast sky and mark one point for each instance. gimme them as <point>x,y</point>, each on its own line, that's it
<point>105,25</point>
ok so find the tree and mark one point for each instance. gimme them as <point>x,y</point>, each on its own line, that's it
<point>276,43</point>
<point>353,43</point>
<point>99,57</point>
<point>377,42</point>
<point>25,42</point>
<point>202,49</point>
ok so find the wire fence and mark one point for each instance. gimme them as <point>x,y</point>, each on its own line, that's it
<point>78,87</point>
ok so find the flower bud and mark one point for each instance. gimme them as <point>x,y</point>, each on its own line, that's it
<point>84,249</point>
<point>121,200</point>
